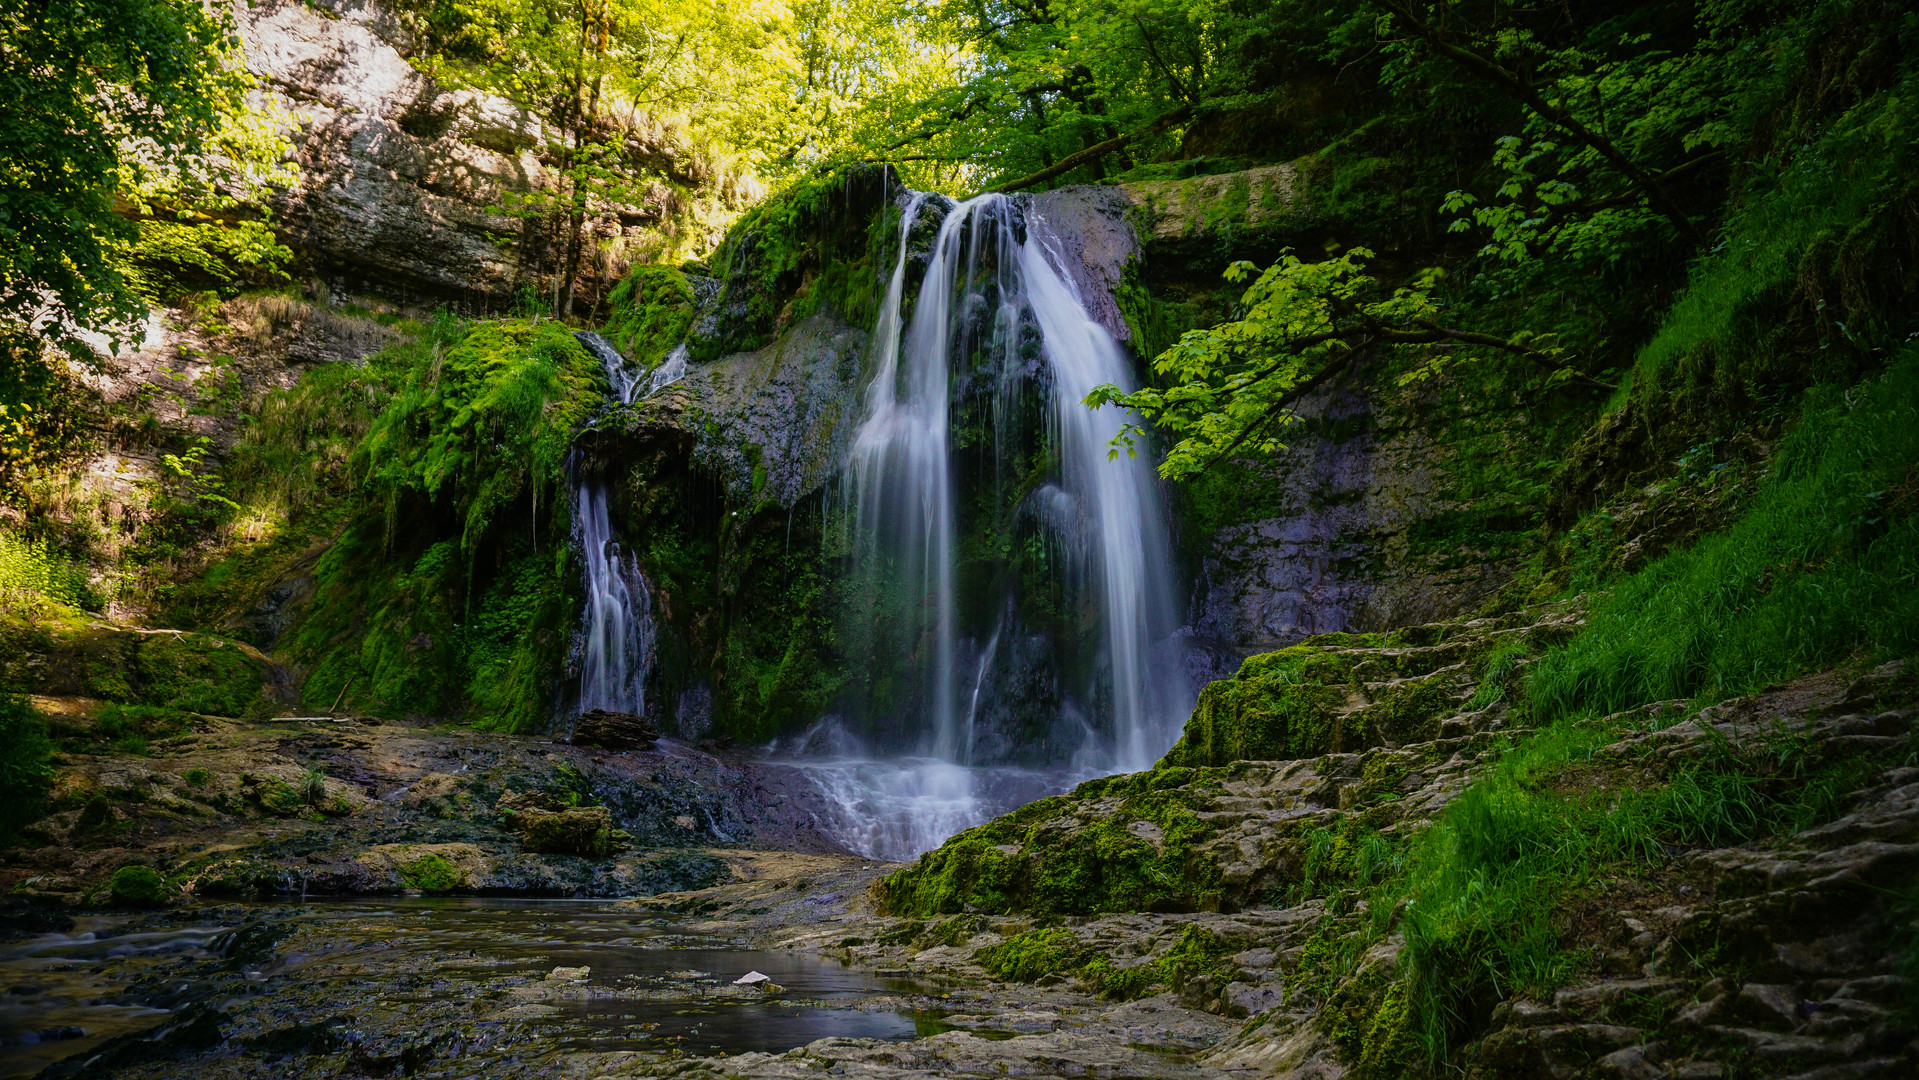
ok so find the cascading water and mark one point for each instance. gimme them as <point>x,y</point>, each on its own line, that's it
<point>995,304</point>
<point>618,620</point>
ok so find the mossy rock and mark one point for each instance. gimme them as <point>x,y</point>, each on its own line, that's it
<point>586,831</point>
<point>280,798</point>
<point>137,886</point>
<point>72,655</point>
<point>1282,705</point>
<point>433,873</point>
<point>1409,711</point>
<point>1058,856</point>
<point>1033,955</point>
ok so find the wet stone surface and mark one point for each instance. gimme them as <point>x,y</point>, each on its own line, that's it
<point>380,987</point>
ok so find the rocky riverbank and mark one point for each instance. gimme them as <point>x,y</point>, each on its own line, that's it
<point>1784,955</point>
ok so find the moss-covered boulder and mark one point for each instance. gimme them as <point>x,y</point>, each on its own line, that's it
<point>137,886</point>
<point>1279,771</point>
<point>1287,704</point>
<point>1126,843</point>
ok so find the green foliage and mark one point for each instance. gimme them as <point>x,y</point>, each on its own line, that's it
<point>32,573</point>
<point>1233,386</point>
<point>648,313</point>
<point>812,248</point>
<point>24,772</point>
<point>448,589</point>
<point>488,425</point>
<point>110,101</point>
<point>172,258</point>
<point>1831,202</point>
<point>137,886</point>
<point>1820,566</point>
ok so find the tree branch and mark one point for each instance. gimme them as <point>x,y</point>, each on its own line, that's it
<point>1298,391</point>
<point>1524,92</point>
<point>1435,332</point>
<point>1092,153</point>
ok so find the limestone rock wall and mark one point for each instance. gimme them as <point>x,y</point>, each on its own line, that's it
<point>402,178</point>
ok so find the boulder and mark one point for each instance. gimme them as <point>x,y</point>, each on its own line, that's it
<point>614,730</point>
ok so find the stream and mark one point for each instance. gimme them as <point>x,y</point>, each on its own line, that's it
<point>507,980</point>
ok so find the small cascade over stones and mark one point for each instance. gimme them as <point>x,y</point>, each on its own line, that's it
<point>620,637</point>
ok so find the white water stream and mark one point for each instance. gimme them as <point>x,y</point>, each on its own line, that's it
<point>1108,517</point>
<point>618,620</point>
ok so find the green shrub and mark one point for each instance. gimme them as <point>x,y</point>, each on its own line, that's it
<point>24,772</point>
<point>31,572</point>
<point>196,777</point>
<point>137,886</point>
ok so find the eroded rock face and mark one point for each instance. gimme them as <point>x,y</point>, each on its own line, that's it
<point>402,178</point>
<point>1331,533</point>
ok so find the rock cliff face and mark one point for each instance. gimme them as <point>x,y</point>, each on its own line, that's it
<point>1341,530</point>
<point>402,178</point>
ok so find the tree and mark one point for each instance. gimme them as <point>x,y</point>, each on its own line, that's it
<point>620,80</point>
<point>1234,385</point>
<point>103,103</point>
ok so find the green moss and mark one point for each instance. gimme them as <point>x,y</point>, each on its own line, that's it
<point>137,886</point>
<point>1279,706</point>
<point>812,248</point>
<point>280,798</point>
<point>449,590</point>
<point>1033,955</point>
<point>584,831</point>
<point>649,311</point>
<point>1143,855</point>
<point>1409,711</point>
<point>432,873</point>
<point>199,673</point>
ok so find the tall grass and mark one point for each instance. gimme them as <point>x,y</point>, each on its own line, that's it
<point>1825,564</point>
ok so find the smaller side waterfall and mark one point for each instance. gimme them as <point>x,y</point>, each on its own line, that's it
<point>618,620</point>
<point>619,379</point>
<point>670,371</point>
<point>628,386</point>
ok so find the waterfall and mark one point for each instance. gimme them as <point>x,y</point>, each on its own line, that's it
<point>622,381</point>
<point>618,620</point>
<point>902,479</point>
<point>993,273</point>
<point>671,370</point>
